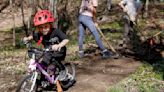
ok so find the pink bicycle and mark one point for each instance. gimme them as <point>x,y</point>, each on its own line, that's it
<point>38,75</point>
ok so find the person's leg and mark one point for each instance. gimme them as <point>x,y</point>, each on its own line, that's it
<point>81,36</point>
<point>57,57</point>
<point>126,30</point>
<point>88,22</point>
<point>128,34</point>
<point>46,59</point>
<point>57,62</point>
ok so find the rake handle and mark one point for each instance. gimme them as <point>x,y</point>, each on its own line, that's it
<point>105,38</point>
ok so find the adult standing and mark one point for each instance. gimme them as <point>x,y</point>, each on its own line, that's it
<point>130,9</point>
<point>87,20</point>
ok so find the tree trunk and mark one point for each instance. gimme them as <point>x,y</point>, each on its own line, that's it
<point>12,5</point>
<point>14,43</point>
<point>146,8</point>
<point>32,12</point>
<point>53,9</point>
<point>23,19</point>
<point>109,4</point>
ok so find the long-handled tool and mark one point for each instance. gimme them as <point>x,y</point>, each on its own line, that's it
<point>104,38</point>
<point>158,33</point>
<point>99,30</point>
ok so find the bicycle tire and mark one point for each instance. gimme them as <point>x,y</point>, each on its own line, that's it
<point>21,84</point>
<point>69,82</point>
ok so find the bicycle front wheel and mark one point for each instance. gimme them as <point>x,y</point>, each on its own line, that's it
<point>28,83</point>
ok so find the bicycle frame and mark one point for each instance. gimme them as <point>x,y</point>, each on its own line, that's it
<point>38,66</point>
<point>51,79</point>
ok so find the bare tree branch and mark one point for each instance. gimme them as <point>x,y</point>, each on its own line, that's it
<point>3,5</point>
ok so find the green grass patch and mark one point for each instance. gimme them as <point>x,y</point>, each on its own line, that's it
<point>73,57</point>
<point>113,25</point>
<point>114,36</point>
<point>145,79</point>
<point>142,22</point>
<point>116,89</point>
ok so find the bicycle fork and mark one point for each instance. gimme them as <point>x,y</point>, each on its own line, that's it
<point>33,79</point>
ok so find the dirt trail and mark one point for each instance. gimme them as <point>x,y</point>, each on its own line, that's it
<point>92,75</point>
<point>99,75</point>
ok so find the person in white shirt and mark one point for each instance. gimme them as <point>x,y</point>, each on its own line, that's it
<point>130,8</point>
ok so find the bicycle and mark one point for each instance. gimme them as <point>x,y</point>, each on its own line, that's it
<point>38,74</point>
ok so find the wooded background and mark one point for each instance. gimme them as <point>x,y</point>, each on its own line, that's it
<point>65,11</point>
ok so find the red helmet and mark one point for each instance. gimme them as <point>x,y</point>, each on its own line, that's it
<point>42,17</point>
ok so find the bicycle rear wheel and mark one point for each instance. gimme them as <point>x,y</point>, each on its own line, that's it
<point>70,78</point>
<point>27,84</point>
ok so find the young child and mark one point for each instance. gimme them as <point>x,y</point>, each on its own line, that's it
<point>44,33</point>
<point>87,20</point>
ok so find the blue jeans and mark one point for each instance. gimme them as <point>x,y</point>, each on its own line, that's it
<point>87,22</point>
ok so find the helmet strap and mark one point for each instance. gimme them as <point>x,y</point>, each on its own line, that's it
<point>40,40</point>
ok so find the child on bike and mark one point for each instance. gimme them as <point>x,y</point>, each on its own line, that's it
<point>43,21</point>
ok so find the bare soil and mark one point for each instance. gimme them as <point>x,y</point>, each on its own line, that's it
<point>97,75</point>
<point>93,74</point>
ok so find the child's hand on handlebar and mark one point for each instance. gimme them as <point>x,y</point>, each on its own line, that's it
<point>25,39</point>
<point>56,47</point>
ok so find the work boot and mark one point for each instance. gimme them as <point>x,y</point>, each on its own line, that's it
<point>106,53</point>
<point>81,54</point>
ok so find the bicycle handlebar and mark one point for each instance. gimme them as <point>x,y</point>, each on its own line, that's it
<point>28,44</point>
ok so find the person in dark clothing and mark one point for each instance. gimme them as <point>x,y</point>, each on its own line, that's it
<point>44,34</point>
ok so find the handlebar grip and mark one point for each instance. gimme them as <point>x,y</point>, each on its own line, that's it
<point>48,49</point>
<point>24,41</point>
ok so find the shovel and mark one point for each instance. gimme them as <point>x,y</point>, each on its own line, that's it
<point>116,55</point>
